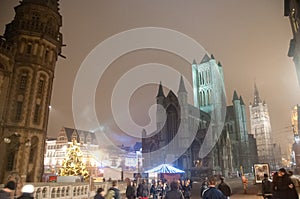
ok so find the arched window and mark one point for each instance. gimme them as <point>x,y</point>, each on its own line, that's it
<point>33,149</point>
<point>11,151</point>
<point>23,81</point>
<point>41,84</point>
<point>36,115</point>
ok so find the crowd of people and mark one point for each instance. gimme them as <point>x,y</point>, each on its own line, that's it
<point>179,189</point>
<point>211,190</point>
<point>283,185</point>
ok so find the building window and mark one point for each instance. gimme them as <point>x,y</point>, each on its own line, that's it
<point>19,110</point>
<point>29,48</point>
<point>10,161</point>
<point>23,81</point>
<point>36,113</point>
<point>41,86</point>
<point>47,55</point>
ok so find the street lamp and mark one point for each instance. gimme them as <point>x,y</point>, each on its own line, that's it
<point>7,139</point>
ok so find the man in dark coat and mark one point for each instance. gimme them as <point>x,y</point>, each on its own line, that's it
<point>266,187</point>
<point>212,192</point>
<point>174,193</point>
<point>224,188</point>
<point>7,190</point>
<point>283,186</point>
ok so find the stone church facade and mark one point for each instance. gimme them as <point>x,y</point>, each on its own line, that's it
<point>229,154</point>
<point>29,50</point>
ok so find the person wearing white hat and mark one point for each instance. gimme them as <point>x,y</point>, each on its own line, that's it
<point>27,192</point>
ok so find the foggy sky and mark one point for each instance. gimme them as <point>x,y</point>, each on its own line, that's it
<point>249,37</point>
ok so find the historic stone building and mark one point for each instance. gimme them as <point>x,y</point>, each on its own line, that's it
<point>292,10</point>
<point>56,149</point>
<point>230,150</point>
<point>29,50</point>
<point>261,129</point>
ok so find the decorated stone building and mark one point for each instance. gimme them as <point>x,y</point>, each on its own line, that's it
<point>29,50</point>
<point>226,152</point>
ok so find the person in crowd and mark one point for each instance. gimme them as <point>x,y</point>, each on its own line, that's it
<point>212,192</point>
<point>165,188</point>
<point>155,190</point>
<point>267,187</point>
<point>130,190</point>
<point>245,183</point>
<point>295,180</point>
<point>204,186</point>
<point>224,188</point>
<point>174,193</point>
<point>99,193</point>
<point>9,187</point>
<point>142,190</point>
<point>113,192</point>
<point>284,187</point>
<point>186,189</point>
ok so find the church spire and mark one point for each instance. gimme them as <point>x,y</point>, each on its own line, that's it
<point>235,96</point>
<point>182,88</point>
<point>160,92</point>
<point>257,99</point>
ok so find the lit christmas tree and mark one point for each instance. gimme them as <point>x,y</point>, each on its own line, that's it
<point>72,164</point>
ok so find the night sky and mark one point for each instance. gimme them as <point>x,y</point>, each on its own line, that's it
<point>249,37</point>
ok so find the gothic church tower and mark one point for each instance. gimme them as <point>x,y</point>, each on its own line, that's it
<point>28,53</point>
<point>261,129</point>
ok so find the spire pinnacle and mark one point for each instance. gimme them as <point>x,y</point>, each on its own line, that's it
<point>235,96</point>
<point>257,99</point>
<point>160,91</point>
<point>182,88</point>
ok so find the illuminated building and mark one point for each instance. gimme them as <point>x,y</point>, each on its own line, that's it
<point>261,129</point>
<point>296,145</point>
<point>96,158</point>
<point>29,50</point>
<point>232,147</point>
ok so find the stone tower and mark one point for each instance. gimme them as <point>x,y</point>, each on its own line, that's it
<point>29,50</point>
<point>261,129</point>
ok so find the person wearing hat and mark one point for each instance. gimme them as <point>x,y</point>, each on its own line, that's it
<point>224,188</point>
<point>7,190</point>
<point>27,192</point>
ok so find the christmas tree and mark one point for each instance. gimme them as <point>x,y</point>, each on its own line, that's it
<point>72,164</point>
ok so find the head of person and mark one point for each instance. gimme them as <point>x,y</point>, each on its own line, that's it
<point>174,185</point>
<point>10,186</point>
<point>114,183</point>
<point>99,190</point>
<point>266,175</point>
<point>290,173</point>
<point>222,179</point>
<point>27,189</point>
<point>282,172</point>
<point>212,181</point>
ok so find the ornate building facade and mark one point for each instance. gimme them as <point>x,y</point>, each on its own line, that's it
<point>231,148</point>
<point>292,10</point>
<point>261,129</point>
<point>29,50</point>
<point>100,162</point>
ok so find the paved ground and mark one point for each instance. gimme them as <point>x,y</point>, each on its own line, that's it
<point>237,190</point>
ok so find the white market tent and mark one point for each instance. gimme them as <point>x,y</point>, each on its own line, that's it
<point>164,168</point>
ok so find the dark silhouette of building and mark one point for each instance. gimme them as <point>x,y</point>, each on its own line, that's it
<point>177,121</point>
